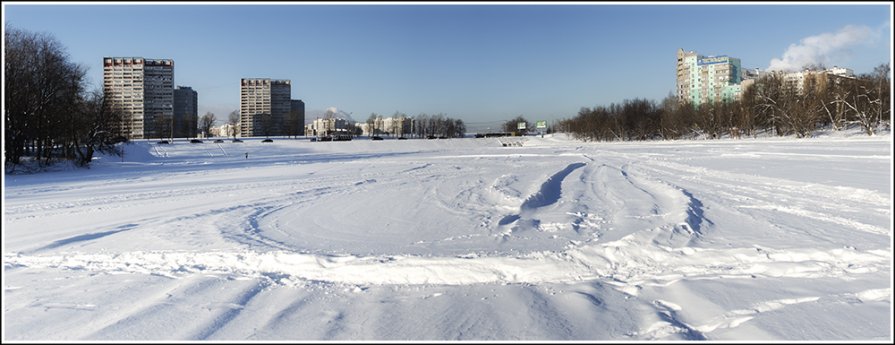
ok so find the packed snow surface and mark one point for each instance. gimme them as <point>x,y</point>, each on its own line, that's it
<point>459,239</point>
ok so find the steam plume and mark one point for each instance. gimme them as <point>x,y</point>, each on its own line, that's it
<point>820,49</point>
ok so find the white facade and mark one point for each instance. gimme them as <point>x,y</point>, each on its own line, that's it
<point>226,130</point>
<point>841,71</point>
<point>392,126</point>
<point>326,126</point>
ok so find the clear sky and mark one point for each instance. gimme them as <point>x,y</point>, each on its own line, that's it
<point>481,63</point>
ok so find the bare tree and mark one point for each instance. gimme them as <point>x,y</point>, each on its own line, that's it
<point>372,122</point>
<point>161,125</point>
<point>233,120</point>
<point>807,105</point>
<point>863,102</point>
<point>206,122</point>
<point>883,91</point>
<point>97,127</point>
<point>743,118</point>
<point>875,98</point>
<point>421,125</point>
<point>459,129</point>
<point>832,104</point>
<point>41,87</point>
<point>397,124</point>
<point>773,100</point>
<point>669,126</point>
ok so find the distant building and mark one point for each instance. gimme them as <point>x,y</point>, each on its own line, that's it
<point>751,74</point>
<point>841,72</point>
<point>798,80</point>
<point>391,126</point>
<point>143,90</point>
<point>702,79</point>
<point>264,106</point>
<point>226,130</point>
<point>707,79</point>
<point>186,112</point>
<point>295,123</point>
<point>326,127</point>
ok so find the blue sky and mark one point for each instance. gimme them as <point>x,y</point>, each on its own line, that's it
<point>481,63</point>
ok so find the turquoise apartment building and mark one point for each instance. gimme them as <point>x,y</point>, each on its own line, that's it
<point>707,79</point>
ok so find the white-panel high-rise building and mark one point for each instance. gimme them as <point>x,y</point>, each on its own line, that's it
<point>143,90</point>
<point>264,105</point>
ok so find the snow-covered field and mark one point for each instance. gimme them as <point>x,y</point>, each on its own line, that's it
<point>459,239</point>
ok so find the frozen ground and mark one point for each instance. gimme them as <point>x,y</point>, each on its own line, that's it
<point>459,239</point>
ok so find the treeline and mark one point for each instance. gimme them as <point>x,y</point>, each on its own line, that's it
<point>49,112</point>
<point>772,104</point>
<point>438,125</point>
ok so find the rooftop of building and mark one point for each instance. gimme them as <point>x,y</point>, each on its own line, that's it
<point>272,81</point>
<point>137,59</point>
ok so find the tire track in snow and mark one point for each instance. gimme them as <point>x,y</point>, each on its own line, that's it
<point>251,231</point>
<point>635,202</point>
<point>99,197</point>
<point>550,190</point>
<point>85,237</point>
<point>590,261</point>
<point>222,320</point>
<point>111,322</point>
<point>796,198</point>
<point>548,194</point>
<point>126,198</point>
<point>680,203</point>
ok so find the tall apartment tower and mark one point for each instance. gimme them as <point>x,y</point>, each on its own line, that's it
<point>264,105</point>
<point>186,112</point>
<point>296,123</point>
<point>143,89</point>
<point>707,79</point>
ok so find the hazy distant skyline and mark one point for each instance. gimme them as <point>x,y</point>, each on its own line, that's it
<point>481,63</point>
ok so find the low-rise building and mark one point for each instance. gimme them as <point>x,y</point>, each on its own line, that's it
<point>228,130</point>
<point>326,127</point>
<point>798,80</point>
<point>391,126</point>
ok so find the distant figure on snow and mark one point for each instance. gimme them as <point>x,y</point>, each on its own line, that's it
<point>247,155</point>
